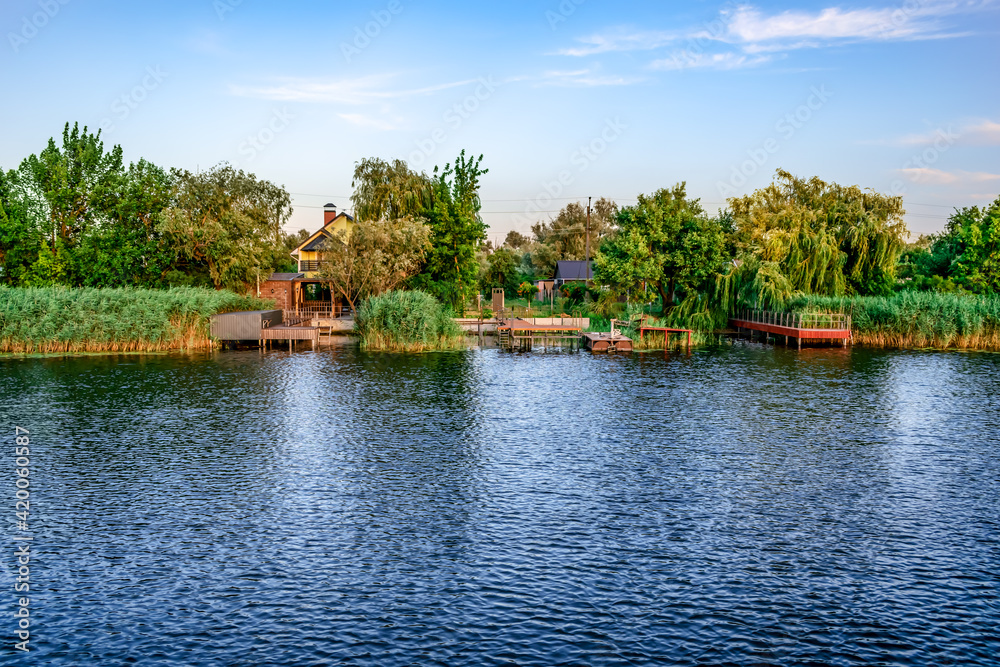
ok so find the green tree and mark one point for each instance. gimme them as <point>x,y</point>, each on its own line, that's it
<point>565,236</point>
<point>501,271</point>
<point>78,180</point>
<point>227,221</point>
<point>457,230</point>
<point>20,232</point>
<point>667,241</point>
<point>126,248</point>
<point>375,257</point>
<point>52,266</point>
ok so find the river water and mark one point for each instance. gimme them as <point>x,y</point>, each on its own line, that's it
<point>738,505</point>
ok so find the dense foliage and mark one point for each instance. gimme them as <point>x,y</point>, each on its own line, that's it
<point>57,319</point>
<point>75,215</point>
<point>376,256</point>
<point>914,319</point>
<point>965,257</point>
<point>407,321</point>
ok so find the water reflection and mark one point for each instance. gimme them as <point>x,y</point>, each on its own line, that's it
<point>735,505</point>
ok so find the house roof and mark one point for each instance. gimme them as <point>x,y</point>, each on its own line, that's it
<point>317,237</point>
<point>286,277</point>
<point>574,270</point>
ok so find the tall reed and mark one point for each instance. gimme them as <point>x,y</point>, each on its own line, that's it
<point>915,319</point>
<point>407,321</point>
<point>60,319</point>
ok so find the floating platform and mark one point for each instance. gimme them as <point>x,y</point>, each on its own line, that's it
<point>605,342</point>
<point>835,328</point>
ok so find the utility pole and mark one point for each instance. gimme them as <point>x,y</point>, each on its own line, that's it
<point>587,265</point>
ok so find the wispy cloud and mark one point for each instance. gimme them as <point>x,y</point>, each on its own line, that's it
<point>582,78</point>
<point>940,177</point>
<point>621,40</point>
<point>980,132</point>
<point>747,30</point>
<point>362,90</point>
<point>689,60</point>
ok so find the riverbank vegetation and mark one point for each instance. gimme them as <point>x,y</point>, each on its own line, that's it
<point>59,319</point>
<point>913,319</point>
<point>407,321</point>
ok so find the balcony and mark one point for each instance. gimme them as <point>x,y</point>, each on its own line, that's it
<point>309,265</point>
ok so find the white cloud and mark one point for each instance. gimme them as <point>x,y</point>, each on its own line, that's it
<point>748,30</point>
<point>688,60</point>
<point>940,177</point>
<point>363,90</point>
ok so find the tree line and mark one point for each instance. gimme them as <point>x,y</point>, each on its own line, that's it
<point>74,214</point>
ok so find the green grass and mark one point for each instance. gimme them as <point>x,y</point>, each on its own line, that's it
<point>407,321</point>
<point>915,319</point>
<point>60,319</point>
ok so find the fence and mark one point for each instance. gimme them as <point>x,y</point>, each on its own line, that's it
<point>832,321</point>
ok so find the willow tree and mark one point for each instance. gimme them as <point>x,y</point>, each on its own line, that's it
<point>388,190</point>
<point>823,238</point>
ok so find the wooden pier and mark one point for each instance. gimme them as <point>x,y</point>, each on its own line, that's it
<point>523,335</point>
<point>813,327</point>
<point>292,334</point>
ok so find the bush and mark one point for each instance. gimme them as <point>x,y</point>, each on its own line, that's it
<point>407,321</point>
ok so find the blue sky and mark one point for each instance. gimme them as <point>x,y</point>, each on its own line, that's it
<point>564,99</point>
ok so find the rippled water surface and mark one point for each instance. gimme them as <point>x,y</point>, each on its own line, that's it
<point>743,505</point>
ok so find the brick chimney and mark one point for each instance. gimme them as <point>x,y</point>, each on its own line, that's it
<point>329,213</point>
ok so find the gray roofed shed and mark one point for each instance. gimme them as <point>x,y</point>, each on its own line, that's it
<point>574,270</point>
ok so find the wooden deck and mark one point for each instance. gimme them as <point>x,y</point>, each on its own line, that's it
<point>796,326</point>
<point>518,333</point>
<point>290,334</point>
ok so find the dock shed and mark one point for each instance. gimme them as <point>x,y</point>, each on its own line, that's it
<point>245,325</point>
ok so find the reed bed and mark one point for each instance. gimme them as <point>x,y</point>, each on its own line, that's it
<point>61,320</point>
<point>915,319</point>
<point>407,321</point>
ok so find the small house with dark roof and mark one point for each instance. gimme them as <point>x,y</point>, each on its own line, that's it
<point>572,271</point>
